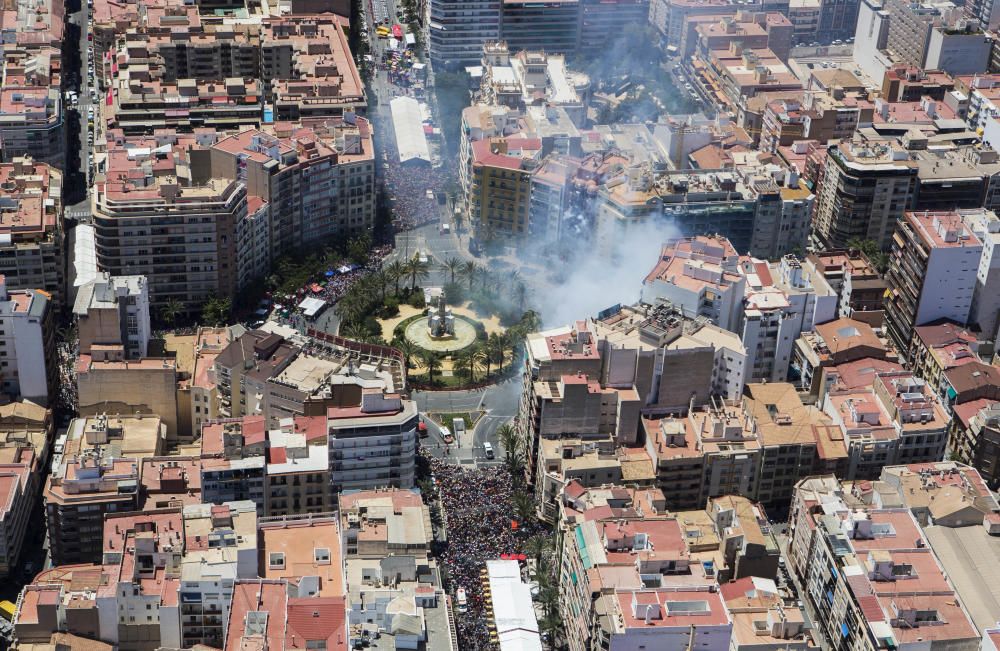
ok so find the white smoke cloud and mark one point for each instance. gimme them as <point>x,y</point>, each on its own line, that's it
<point>594,281</point>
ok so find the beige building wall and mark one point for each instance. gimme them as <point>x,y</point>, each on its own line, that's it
<point>147,386</point>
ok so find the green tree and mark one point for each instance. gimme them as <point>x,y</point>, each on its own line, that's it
<point>524,506</point>
<point>359,247</point>
<point>170,311</point>
<point>432,362</point>
<point>355,331</point>
<point>514,454</point>
<point>468,360</point>
<point>418,271</point>
<point>215,311</point>
<point>395,272</point>
<point>453,265</point>
<point>469,272</point>
<point>408,348</point>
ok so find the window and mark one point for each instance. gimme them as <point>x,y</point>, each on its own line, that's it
<point>276,561</point>
<point>322,555</point>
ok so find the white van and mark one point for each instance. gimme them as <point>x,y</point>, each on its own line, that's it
<point>461,600</point>
<point>489,450</point>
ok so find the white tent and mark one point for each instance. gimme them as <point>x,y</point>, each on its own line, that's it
<point>411,143</point>
<point>513,612</point>
<point>312,306</point>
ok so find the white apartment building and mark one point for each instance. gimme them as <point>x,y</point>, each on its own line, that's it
<point>701,275</point>
<point>373,445</point>
<point>985,309</point>
<point>26,344</point>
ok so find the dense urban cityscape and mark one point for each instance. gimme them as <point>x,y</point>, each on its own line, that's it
<point>500,325</point>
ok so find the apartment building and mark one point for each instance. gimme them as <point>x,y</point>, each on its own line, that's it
<point>263,373</point>
<point>870,580</point>
<point>31,248</point>
<point>372,443</point>
<point>27,344</point>
<point>305,551</point>
<point>197,392</point>
<point>25,429</point>
<point>382,523</point>
<point>790,439</point>
<point>169,482</point>
<point>220,548</point>
<point>550,26</point>
<point>309,68</point>
<point>755,30</point>
<point>175,229</point>
<point>99,474</point>
<point>701,276</point>
<point>297,474</point>
<point>32,120</point>
<point>265,613</point>
<point>633,526</point>
<point>939,347</point>
<point>932,274</point>
<point>866,189</point>
<point>500,186</point>
<point>896,419</point>
<point>817,116</point>
<point>17,500</point>
<point>113,311</point>
<point>732,73</point>
<point>256,355</point>
<point>393,584</point>
<point>831,344</point>
<point>985,309</point>
<point>233,461</point>
<point>781,302</point>
<point>460,28</point>
<point>673,360</point>
<point>974,438</point>
<point>936,36</point>
<point>314,181</point>
<point>108,383</point>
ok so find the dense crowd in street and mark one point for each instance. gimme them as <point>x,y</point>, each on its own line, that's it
<point>412,207</point>
<point>330,288</point>
<point>479,513</point>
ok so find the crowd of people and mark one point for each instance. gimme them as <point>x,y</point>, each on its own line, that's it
<point>412,206</point>
<point>480,523</point>
<point>330,287</point>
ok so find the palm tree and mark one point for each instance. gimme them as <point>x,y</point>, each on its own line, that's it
<point>509,441</point>
<point>406,347</point>
<point>396,271</point>
<point>524,505</point>
<point>538,546</point>
<point>468,360</point>
<point>453,265</point>
<point>380,279</point>
<point>519,293</point>
<point>531,322</point>
<point>497,344</point>
<point>485,359</point>
<point>356,331</point>
<point>469,271</point>
<point>352,308</point>
<point>432,360</point>
<point>170,311</point>
<point>418,271</point>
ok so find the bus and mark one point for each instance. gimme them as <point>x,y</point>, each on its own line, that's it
<point>397,32</point>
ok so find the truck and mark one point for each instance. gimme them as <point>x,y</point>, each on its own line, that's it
<point>458,424</point>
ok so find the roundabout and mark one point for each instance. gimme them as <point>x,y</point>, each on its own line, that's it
<point>418,334</point>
